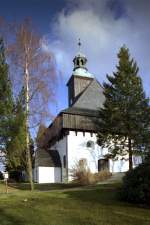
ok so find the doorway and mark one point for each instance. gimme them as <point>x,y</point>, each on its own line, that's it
<point>103,164</point>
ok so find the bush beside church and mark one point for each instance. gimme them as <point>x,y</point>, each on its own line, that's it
<point>136,185</point>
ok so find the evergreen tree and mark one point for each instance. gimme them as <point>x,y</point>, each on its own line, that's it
<point>16,148</point>
<point>6,100</point>
<point>124,126</point>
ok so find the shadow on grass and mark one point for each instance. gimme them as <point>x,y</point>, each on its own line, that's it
<point>101,194</point>
<point>104,194</point>
<point>6,218</point>
<point>42,187</point>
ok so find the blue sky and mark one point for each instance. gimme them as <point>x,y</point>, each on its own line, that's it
<point>41,11</point>
<point>103,26</point>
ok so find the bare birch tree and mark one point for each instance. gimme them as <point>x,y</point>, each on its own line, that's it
<point>35,70</point>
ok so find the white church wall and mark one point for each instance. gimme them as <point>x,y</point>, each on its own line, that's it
<point>122,164</point>
<point>74,147</point>
<point>61,147</point>
<point>77,149</point>
<point>48,175</point>
<point>118,165</point>
<point>57,175</point>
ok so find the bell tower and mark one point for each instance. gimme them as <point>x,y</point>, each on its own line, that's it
<point>80,78</point>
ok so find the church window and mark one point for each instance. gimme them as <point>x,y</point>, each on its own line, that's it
<point>82,62</point>
<point>78,62</point>
<point>64,161</point>
<point>90,144</point>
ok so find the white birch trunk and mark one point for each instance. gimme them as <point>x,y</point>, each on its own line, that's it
<point>29,163</point>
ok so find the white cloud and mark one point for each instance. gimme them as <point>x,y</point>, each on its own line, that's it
<point>102,34</point>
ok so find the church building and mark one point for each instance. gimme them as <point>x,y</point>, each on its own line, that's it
<point>71,137</point>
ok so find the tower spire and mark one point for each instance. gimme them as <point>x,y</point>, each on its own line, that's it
<point>79,44</point>
<point>80,61</point>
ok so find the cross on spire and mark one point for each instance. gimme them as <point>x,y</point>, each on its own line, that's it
<point>79,44</point>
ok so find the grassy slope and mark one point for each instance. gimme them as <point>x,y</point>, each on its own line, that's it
<point>80,206</point>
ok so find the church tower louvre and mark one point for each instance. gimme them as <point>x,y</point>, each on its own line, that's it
<point>80,78</point>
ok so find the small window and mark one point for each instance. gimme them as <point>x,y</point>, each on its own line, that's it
<point>78,62</point>
<point>82,62</point>
<point>64,161</point>
<point>90,144</point>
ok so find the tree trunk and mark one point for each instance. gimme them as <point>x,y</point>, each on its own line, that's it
<point>29,163</point>
<point>130,154</point>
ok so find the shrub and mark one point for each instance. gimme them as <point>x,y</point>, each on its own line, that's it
<point>102,175</point>
<point>15,176</point>
<point>82,175</point>
<point>136,185</point>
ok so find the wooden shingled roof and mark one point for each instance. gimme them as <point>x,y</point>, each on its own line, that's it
<point>47,158</point>
<point>80,111</point>
<point>91,98</point>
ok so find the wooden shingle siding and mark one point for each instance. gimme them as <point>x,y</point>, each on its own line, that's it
<point>67,121</point>
<point>47,158</point>
<point>92,98</point>
<point>78,122</point>
<point>80,84</point>
<point>54,129</point>
<point>76,85</point>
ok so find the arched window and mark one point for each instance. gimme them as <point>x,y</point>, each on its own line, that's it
<point>82,62</point>
<point>64,161</point>
<point>78,62</point>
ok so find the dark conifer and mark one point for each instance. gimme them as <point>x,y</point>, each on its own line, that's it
<point>6,100</point>
<point>124,125</point>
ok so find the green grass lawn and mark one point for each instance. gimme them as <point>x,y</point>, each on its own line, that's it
<point>75,206</point>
